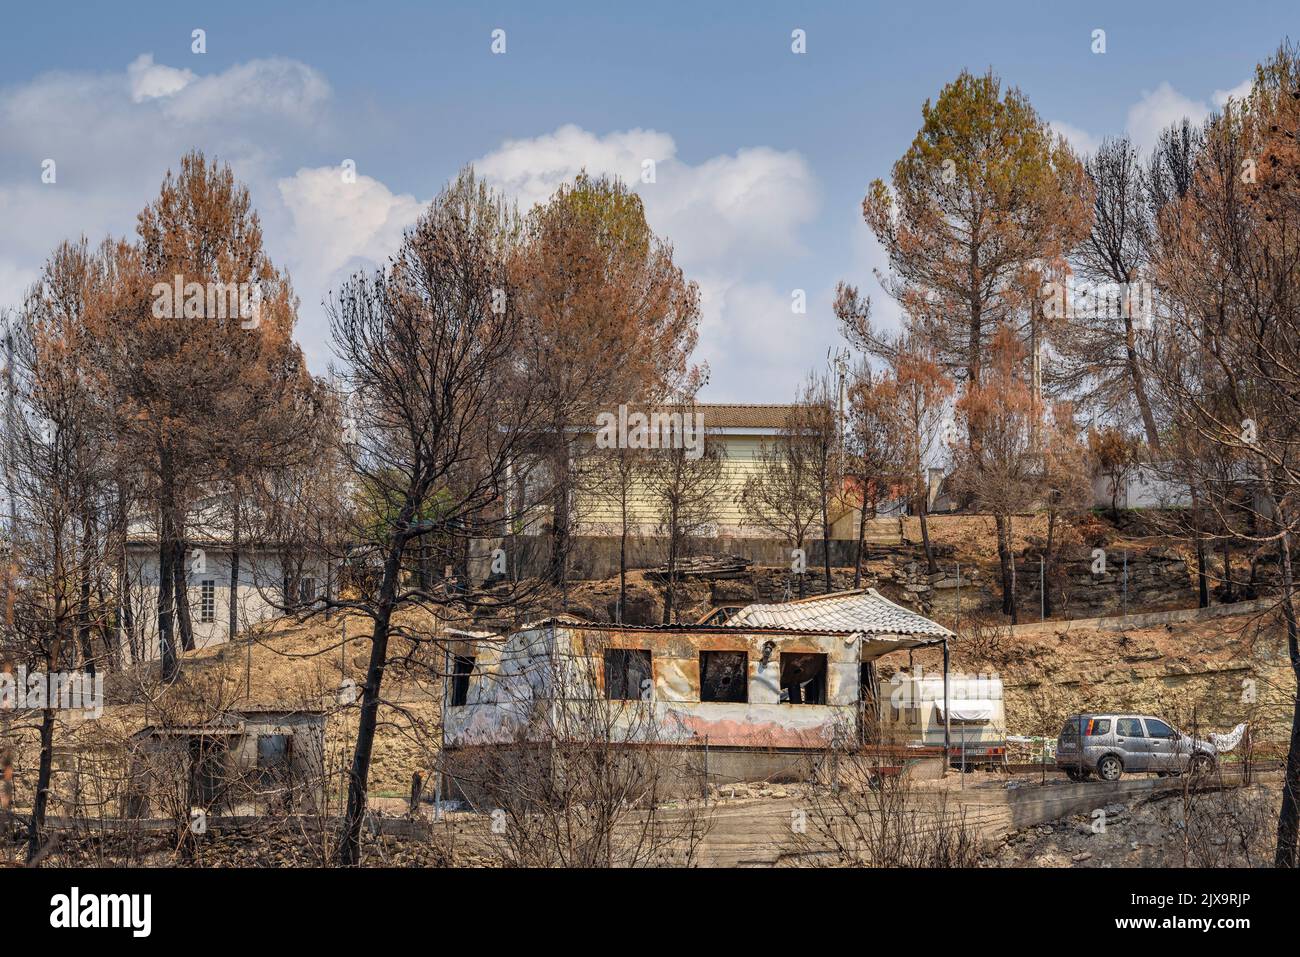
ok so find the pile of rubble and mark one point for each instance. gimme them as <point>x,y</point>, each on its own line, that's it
<point>702,568</point>
<point>753,790</point>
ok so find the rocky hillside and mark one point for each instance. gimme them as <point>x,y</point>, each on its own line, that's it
<point>1211,673</point>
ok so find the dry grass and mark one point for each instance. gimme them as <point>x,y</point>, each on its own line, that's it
<point>975,536</point>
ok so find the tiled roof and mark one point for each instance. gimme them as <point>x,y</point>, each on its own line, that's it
<point>717,415</point>
<point>743,416</point>
<point>867,612</point>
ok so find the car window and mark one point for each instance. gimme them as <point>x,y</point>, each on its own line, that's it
<point>1128,727</point>
<point>1158,729</point>
<point>1098,726</point>
<point>1071,729</point>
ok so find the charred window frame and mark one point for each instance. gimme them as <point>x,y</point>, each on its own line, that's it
<point>803,677</point>
<point>462,666</point>
<point>626,672</point>
<point>724,676</point>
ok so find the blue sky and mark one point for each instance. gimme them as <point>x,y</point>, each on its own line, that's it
<point>762,156</point>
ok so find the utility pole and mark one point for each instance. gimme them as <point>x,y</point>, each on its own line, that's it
<point>840,361</point>
<point>1125,608</point>
<point>10,573</point>
<point>1042,590</point>
<point>959,596</point>
<point>11,533</point>
<point>947,714</point>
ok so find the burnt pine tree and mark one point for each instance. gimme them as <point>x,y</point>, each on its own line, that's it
<point>58,482</point>
<point>438,408</point>
<point>194,361</point>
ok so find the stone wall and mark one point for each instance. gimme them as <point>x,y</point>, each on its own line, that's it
<point>1152,578</point>
<point>1132,579</point>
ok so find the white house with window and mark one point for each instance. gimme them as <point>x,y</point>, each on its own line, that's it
<point>273,580</point>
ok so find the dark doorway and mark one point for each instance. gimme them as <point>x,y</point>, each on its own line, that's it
<point>462,666</point>
<point>869,700</point>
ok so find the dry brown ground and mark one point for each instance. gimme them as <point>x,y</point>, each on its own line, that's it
<point>975,536</point>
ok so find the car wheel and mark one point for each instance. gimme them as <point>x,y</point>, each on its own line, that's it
<point>1074,774</point>
<point>1109,768</point>
<point>1201,764</point>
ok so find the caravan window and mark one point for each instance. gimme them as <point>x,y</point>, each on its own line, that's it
<point>967,711</point>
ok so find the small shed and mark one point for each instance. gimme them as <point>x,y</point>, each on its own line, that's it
<point>260,759</point>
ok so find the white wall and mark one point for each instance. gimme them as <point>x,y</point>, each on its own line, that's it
<point>258,595</point>
<point>1143,487</point>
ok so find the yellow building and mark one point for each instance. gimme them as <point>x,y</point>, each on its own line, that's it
<point>739,432</point>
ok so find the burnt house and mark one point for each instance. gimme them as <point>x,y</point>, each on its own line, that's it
<point>756,693</point>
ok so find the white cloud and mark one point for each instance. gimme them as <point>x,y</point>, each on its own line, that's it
<point>113,135</point>
<point>752,202</point>
<point>755,344</point>
<point>1155,111</point>
<point>735,219</point>
<point>336,221</point>
<point>1158,109</point>
<point>151,80</point>
<point>1081,141</point>
<point>718,214</point>
<point>730,218</point>
<point>531,169</point>
<point>336,228</point>
<point>276,87</point>
<point>130,122</point>
<point>1239,92</point>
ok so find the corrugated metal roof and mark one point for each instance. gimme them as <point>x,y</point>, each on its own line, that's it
<point>867,611</point>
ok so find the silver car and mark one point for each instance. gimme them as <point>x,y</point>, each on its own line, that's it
<point>1111,744</point>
